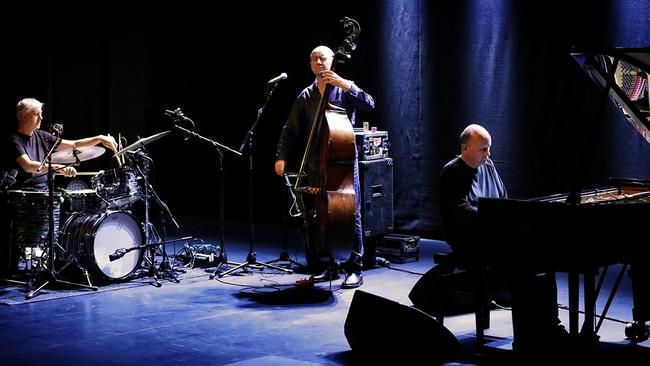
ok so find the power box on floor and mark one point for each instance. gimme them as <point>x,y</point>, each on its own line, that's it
<point>399,248</point>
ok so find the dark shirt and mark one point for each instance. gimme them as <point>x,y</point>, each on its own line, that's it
<point>460,188</point>
<point>36,147</point>
<point>295,133</point>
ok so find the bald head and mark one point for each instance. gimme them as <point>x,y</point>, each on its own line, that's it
<point>475,142</point>
<point>323,50</point>
<point>321,59</point>
<point>474,130</point>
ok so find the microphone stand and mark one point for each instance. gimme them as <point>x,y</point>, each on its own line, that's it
<point>222,259</point>
<point>251,258</point>
<point>53,274</point>
<point>119,253</point>
<point>165,267</point>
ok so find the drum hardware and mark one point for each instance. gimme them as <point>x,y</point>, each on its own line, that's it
<point>8,179</point>
<point>118,187</point>
<point>251,258</point>
<point>177,117</point>
<point>165,269</point>
<point>46,264</point>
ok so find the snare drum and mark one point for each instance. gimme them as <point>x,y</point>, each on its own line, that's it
<point>118,187</point>
<point>91,238</point>
<point>29,216</point>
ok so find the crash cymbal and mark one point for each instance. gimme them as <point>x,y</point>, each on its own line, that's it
<point>71,156</point>
<point>141,142</point>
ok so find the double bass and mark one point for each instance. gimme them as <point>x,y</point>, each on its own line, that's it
<point>334,197</point>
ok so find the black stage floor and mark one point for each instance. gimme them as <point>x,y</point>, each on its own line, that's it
<point>248,318</point>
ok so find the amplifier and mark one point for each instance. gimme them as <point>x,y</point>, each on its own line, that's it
<point>376,180</point>
<point>372,145</point>
<point>399,248</point>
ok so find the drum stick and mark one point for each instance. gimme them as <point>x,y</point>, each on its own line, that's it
<point>122,157</point>
<point>119,162</point>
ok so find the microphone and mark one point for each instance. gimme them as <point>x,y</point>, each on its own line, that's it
<point>176,115</point>
<point>381,261</point>
<point>56,129</point>
<point>117,255</point>
<point>175,112</point>
<point>278,78</point>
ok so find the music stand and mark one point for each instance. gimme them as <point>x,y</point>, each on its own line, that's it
<point>251,258</point>
<point>177,116</point>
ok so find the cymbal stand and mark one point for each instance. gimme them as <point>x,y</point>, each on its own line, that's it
<point>251,258</point>
<point>165,263</point>
<point>284,252</point>
<point>150,234</point>
<point>177,117</point>
<point>50,256</point>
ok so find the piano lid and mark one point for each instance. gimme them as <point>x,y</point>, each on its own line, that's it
<point>623,74</point>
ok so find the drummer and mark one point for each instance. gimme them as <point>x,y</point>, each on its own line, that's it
<point>29,145</point>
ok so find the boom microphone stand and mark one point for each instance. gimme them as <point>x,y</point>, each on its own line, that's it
<point>177,117</point>
<point>251,258</point>
<point>56,130</point>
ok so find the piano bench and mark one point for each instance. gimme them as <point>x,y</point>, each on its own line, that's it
<point>437,292</point>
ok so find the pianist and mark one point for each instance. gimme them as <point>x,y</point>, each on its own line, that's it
<point>462,181</point>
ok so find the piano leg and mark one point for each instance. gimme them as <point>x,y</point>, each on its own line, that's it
<point>587,334</point>
<point>588,331</point>
<point>640,278</point>
<point>574,302</point>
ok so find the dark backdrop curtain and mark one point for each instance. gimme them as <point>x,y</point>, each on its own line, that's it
<point>506,65</point>
<point>432,66</point>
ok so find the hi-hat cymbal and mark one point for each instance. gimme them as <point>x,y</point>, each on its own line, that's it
<point>71,156</point>
<point>141,142</point>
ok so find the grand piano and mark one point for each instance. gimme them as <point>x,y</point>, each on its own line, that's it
<point>581,232</point>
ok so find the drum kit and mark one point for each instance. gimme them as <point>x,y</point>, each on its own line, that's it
<point>97,229</point>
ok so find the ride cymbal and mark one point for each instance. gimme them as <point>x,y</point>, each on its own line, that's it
<point>71,156</point>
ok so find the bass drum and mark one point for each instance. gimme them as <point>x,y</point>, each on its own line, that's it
<point>91,238</point>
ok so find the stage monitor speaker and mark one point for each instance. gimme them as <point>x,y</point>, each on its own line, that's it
<point>376,181</point>
<point>383,330</point>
